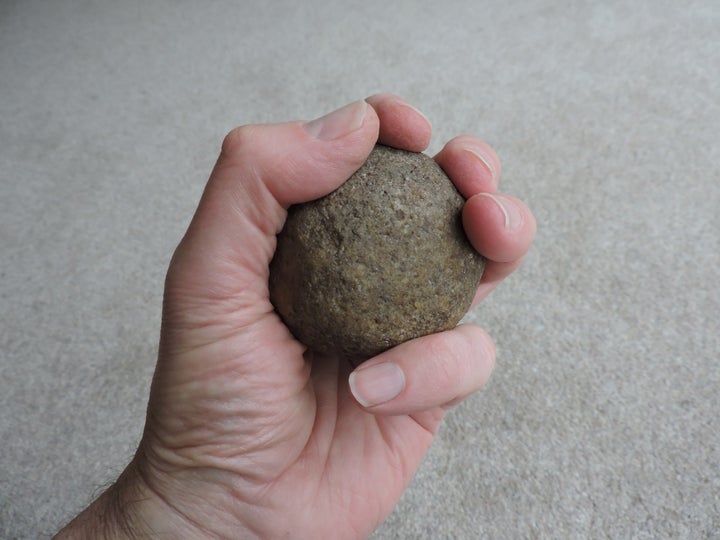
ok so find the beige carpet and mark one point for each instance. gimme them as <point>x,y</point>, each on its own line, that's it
<point>602,417</point>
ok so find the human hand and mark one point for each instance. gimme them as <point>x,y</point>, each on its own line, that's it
<point>250,435</point>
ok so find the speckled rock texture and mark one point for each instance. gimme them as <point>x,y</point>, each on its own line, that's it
<point>381,260</point>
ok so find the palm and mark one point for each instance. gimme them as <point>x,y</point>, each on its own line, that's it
<point>356,463</point>
<point>315,447</point>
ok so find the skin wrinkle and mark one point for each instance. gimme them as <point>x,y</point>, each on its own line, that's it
<point>243,341</point>
<point>293,163</point>
<point>269,422</point>
<point>230,324</point>
<point>223,331</point>
<point>253,203</point>
<point>216,454</point>
<point>226,422</point>
<point>249,508</point>
<point>173,508</point>
<point>448,359</point>
<point>191,288</point>
<point>431,424</point>
<point>390,435</point>
<point>325,397</point>
<point>243,487</point>
<point>314,450</point>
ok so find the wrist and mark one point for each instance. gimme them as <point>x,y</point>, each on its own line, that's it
<point>128,509</point>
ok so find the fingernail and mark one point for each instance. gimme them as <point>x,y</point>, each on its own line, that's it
<point>338,123</point>
<point>377,384</point>
<point>513,215</point>
<point>485,162</point>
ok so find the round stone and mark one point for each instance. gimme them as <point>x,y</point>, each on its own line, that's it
<point>381,260</point>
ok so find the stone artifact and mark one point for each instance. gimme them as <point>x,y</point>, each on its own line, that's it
<point>381,260</point>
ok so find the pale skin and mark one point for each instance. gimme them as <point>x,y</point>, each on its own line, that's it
<point>250,435</point>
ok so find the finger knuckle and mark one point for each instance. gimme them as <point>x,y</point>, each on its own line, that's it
<point>449,352</point>
<point>238,139</point>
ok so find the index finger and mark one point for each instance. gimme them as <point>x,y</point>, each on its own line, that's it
<point>401,125</point>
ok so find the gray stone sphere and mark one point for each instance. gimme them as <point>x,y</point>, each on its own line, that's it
<point>381,260</point>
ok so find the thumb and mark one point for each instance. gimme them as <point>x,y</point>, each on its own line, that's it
<point>263,169</point>
<point>297,161</point>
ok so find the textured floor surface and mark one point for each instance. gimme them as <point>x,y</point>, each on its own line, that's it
<point>602,417</point>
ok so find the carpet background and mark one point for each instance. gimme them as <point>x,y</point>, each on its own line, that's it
<point>601,419</point>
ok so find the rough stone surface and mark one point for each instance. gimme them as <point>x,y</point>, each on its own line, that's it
<point>381,260</point>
